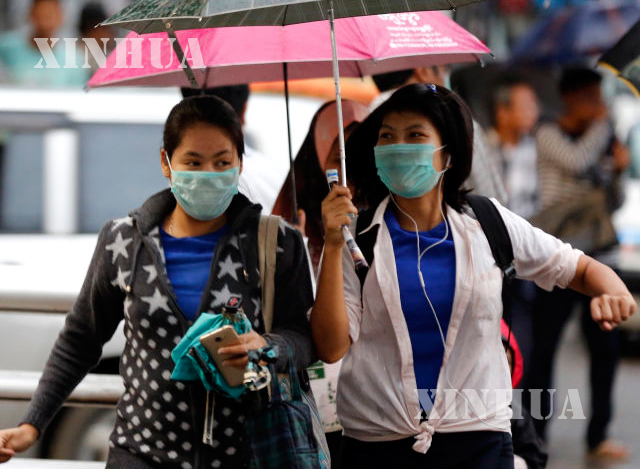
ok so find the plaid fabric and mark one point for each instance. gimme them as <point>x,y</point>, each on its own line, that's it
<point>282,436</point>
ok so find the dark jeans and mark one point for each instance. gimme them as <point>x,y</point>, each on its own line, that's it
<point>334,441</point>
<point>462,450</point>
<point>552,311</point>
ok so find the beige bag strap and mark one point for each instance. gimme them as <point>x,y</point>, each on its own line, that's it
<point>267,249</point>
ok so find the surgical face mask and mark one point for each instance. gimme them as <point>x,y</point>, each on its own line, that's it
<point>204,195</point>
<point>407,169</point>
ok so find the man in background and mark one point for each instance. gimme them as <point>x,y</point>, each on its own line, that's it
<point>511,142</point>
<point>485,176</point>
<point>259,180</point>
<point>20,55</point>
<point>579,159</point>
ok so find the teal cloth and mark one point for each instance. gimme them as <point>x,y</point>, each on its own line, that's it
<point>187,368</point>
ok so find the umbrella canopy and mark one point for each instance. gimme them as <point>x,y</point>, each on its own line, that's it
<point>147,16</point>
<point>365,45</point>
<point>624,58</point>
<point>575,32</point>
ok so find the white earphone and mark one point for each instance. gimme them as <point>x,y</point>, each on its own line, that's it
<point>424,289</point>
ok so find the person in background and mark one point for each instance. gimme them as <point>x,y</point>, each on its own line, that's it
<point>485,174</point>
<point>427,314</point>
<point>91,15</point>
<point>260,180</point>
<point>578,155</point>
<point>511,143</point>
<point>318,153</point>
<point>20,55</point>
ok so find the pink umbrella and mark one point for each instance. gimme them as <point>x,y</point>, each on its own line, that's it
<point>224,56</point>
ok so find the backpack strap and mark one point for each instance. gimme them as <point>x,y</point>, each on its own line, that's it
<point>365,241</point>
<point>267,250</point>
<point>496,232</point>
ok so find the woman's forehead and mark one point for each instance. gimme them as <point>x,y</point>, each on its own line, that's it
<point>405,119</point>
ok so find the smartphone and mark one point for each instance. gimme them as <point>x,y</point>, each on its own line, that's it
<point>214,341</point>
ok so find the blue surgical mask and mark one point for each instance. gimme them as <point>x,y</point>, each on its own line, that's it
<point>204,195</point>
<point>407,169</point>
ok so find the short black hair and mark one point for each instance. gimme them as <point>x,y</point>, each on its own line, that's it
<point>236,95</point>
<point>577,78</point>
<point>502,87</point>
<point>391,80</point>
<point>91,15</point>
<point>202,109</point>
<point>450,116</point>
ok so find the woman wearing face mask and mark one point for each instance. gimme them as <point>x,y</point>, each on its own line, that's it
<point>187,250</point>
<point>421,335</point>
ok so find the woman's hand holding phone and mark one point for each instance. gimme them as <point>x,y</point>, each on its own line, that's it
<point>237,354</point>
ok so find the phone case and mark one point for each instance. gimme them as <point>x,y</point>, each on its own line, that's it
<point>217,339</point>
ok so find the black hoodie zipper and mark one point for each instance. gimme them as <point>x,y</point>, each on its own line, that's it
<point>173,303</point>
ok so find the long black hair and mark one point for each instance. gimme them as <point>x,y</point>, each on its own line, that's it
<point>449,115</point>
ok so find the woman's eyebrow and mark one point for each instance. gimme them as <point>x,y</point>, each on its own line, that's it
<point>416,126</point>
<point>222,153</point>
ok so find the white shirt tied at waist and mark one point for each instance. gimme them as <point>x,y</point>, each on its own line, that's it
<point>377,391</point>
<point>424,438</point>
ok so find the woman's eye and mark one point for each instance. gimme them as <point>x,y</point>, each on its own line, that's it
<point>222,164</point>
<point>385,136</point>
<point>192,164</point>
<point>417,135</point>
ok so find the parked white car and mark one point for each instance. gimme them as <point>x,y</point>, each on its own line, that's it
<point>73,161</point>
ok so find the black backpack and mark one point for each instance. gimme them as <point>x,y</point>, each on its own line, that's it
<point>492,225</point>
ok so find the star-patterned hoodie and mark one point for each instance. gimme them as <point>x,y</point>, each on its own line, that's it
<point>159,421</point>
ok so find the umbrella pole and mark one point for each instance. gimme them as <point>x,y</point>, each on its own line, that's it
<point>336,80</point>
<point>180,53</point>
<point>292,176</point>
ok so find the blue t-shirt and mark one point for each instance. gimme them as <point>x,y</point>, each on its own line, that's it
<point>188,263</point>
<point>438,268</point>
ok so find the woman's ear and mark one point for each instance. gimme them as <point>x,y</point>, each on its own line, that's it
<point>164,164</point>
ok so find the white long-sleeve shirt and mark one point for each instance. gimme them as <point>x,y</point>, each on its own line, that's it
<point>377,396</point>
